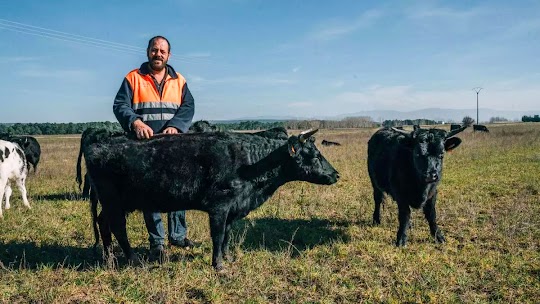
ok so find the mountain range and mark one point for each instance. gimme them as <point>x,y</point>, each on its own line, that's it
<point>437,114</point>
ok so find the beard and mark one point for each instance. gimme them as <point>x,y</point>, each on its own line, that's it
<point>157,63</point>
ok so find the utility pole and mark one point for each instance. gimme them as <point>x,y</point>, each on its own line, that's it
<point>477,90</point>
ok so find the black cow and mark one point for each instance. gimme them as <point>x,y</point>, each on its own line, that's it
<point>408,167</point>
<point>91,135</point>
<point>224,174</point>
<point>325,142</point>
<point>480,128</point>
<point>454,127</point>
<point>30,146</point>
<point>202,126</point>
<point>273,133</point>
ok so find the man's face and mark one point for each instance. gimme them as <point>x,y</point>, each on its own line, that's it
<point>158,54</point>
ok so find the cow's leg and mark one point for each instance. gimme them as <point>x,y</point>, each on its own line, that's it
<point>404,219</point>
<point>431,216</point>
<point>217,231</point>
<point>7,195</point>
<point>22,188</point>
<point>118,228</point>
<point>226,239</point>
<point>378,198</point>
<point>3,184</point>
<point>93,208</point>
<point>105,231</point>
<point>86,188</point>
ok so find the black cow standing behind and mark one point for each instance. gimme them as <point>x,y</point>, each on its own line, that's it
<point>480,128</point>
<point>30,146</point>
<point>224,174</point>
<point>201,126</point>
<point>408,166</point>
<point>89,136</point>
<point>330,143</point>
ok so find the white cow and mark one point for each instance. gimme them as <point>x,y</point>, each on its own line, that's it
<point>13,167</point>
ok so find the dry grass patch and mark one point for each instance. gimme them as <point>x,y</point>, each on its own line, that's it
<point>307,244</point>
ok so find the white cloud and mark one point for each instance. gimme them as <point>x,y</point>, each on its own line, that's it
<point>335,31</point>
<point>17,59</point>
<point>301,104</point>
<point>243,80</point>
<point>407,98</point>
<point>38,72</point>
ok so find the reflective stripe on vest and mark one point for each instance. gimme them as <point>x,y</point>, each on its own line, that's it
<point>146,99</point>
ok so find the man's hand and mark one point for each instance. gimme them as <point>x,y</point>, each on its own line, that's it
<point>170,130</point>
<point>141,129</point>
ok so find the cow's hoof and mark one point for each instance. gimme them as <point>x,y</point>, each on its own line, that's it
<point>220,269</point>
<point>134,260</point>
<point>229,258</point>
<point>439,238</point>
<point>401,242</point>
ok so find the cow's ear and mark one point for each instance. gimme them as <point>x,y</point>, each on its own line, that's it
<point>451,143</point>
<point>293,146</point>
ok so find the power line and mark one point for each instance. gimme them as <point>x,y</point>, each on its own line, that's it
<point>22,25</point>
<point>79,39</point>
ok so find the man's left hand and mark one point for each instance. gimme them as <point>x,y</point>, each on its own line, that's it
<point>170,130</point>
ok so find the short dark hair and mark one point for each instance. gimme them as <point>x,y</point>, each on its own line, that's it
<point>151,42</point>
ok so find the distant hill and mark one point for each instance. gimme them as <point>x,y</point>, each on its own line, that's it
<point>446,115</point>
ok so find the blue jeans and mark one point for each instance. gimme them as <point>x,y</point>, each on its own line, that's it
<point>176,226</point>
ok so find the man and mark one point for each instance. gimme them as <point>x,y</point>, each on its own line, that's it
<point>155,99</point>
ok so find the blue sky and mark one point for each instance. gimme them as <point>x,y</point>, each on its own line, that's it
<point>63,61</point>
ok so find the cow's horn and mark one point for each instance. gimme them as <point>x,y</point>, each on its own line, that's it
<point>456,131</point>
<point>401,131</point>
<point>306,134</point>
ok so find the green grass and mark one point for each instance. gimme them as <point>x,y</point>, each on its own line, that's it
<point>307,244</point>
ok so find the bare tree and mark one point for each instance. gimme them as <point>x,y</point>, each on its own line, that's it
<point>467,121</point>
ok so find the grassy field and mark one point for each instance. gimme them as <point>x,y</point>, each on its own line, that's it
<point>307,244</point>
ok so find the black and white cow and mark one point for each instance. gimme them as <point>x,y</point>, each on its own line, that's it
<point>30,146</point>
<point>13,167</point>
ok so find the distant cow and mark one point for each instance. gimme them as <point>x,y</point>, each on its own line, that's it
<point>13,167</point>
<point>272,133</point>
<point>330,143</point>
<point>224,174</point>
<point>480,128</point>
<point>454,127</point>
<point>408,166</point>
<point>30,146</point>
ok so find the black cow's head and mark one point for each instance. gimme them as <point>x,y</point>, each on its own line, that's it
<point>202,126</point>
<point>309,164</point>
<point>428,147</point>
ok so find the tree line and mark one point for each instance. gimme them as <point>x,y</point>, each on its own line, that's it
<point>349,122</point>
<point>534,118</point>
<point>78,128</point>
